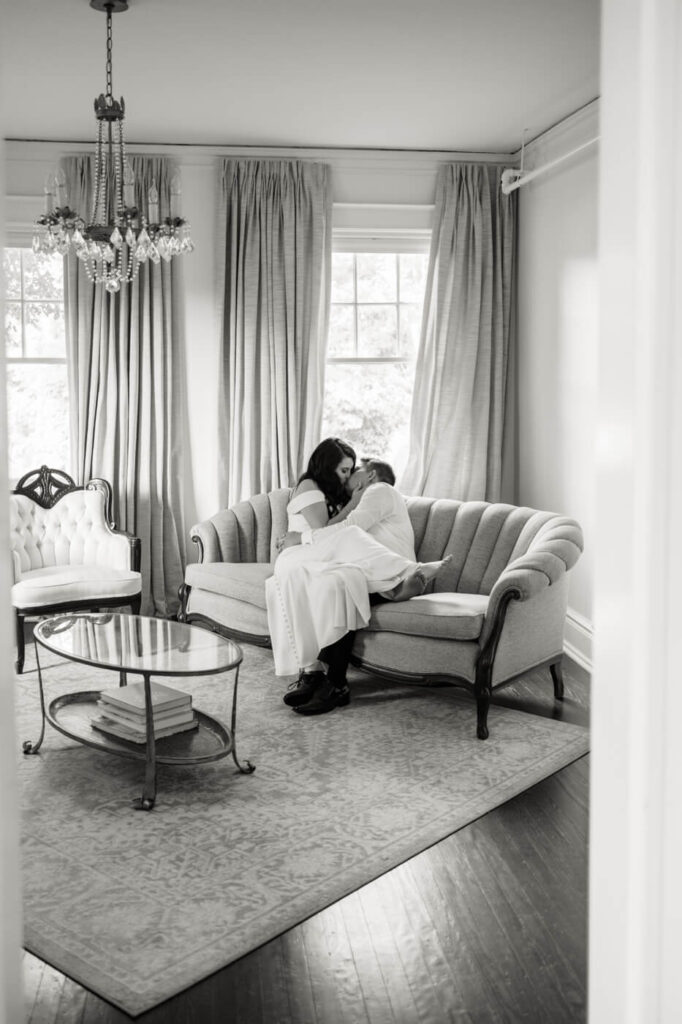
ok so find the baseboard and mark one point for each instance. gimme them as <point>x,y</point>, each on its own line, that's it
<point>578,640</point>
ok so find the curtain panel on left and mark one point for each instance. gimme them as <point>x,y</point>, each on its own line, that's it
<point>126,382</point>
<point>275,274</point>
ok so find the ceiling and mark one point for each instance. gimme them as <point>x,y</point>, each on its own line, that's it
<point>464,75</point>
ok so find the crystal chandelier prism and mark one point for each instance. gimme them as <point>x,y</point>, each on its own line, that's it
<point>118,237</point>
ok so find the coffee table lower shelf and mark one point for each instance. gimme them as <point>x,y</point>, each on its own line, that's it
<point>72,715</point>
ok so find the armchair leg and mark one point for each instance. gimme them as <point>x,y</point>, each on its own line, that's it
<point>19,624</point>
<point>558,680</point>
<point>136,604</point>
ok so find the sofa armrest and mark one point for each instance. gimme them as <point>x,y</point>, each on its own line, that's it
<point>553,552</point>
<point>207,537</point>
<point>245,532</point>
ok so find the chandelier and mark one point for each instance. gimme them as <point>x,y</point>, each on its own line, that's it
<point>118,237</point>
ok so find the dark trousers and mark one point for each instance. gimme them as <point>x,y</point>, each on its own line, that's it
<point>337,658</point>
<point>337,655</point>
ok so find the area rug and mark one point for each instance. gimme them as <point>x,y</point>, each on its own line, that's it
<point>137,906</point>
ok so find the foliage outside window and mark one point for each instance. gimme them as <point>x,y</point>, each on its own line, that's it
<point>35,348</point>
<point>375,320</point>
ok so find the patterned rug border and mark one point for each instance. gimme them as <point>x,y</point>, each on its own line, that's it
<point>568,743</point>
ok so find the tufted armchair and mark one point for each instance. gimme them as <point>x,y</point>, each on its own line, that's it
<point>67,555</point>
<point>496,612</point>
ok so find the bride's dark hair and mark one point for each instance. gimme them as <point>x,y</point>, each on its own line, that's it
<point>321,469</point>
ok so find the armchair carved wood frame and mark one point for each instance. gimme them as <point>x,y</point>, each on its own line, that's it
<point>68,554</point>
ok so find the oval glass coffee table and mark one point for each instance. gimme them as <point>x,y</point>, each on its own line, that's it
<point>147,647</point>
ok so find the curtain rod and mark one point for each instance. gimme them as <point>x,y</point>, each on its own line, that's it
<point>514,178</point>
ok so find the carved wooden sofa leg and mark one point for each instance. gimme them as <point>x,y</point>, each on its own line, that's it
<point>557,679</point>
<point>183,594</point>
<point>483,687</point>
<point>483,693</point>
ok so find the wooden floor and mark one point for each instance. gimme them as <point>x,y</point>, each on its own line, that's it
<point>487,926</point>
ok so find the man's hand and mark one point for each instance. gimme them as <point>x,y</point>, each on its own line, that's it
<point>289,540</point>
<point>356,494</point>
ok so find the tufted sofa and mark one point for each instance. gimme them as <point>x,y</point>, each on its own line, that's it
<point>66,552</point>
<point>496,612</point>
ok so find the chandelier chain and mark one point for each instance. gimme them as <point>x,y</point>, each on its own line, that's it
<point>109,60</point>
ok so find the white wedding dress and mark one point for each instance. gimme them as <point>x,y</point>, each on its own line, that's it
<point>320,591</point>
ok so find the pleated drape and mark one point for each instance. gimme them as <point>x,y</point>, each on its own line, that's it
<point>460,418</point>
<point>126,363</point>
<point>275,272</point>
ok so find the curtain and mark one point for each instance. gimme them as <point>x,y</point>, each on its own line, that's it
<point>461,410</point>
<point>276,270</point>
<point>126,385</point>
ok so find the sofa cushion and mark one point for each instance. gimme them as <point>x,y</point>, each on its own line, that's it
<point>62,584</point>
<point>444,616</point>
<point>242,580</point>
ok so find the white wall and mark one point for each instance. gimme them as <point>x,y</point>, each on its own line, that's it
<point>558,345</point>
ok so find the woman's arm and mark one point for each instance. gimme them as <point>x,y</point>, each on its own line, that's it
<point>316,514</point>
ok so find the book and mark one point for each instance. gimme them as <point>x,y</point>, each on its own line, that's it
<point>169,716</point>
<point>161,720</point>
<point>132,697</point>
<point>122,732</point>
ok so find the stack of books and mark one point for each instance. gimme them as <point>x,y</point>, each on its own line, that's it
<point>122,712</point>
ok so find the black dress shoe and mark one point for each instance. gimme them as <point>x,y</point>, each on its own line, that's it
<point>303,689</point>
<point>326,698</point>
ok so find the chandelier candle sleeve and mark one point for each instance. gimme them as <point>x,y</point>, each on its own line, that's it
<point>118,238</point>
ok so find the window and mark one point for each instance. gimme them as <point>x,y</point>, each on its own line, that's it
<point>35,346</point>
<point>375,320</point>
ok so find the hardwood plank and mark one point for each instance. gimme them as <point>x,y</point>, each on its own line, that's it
<point>380,929</point>
<point>376,996</point>
<point>47,997</point>
<point>429,924</point>
<point>71,1003</point>
<point>32,971</point>
<point>520,943</point>
<point>337,993</point>
<point>299,989</point>
<point>274,994</point>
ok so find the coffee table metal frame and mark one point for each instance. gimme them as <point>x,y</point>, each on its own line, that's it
<point>71,714</point>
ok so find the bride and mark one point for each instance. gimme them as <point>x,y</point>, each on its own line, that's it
<point>320,591</point>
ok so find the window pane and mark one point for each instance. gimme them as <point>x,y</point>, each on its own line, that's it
<point>45,329</point>
<point>377,277</point>
<point>378,331</point>
<point>343,287</point>
<point>341,331</point>
<point>13,328</point>
<point>43,276</point>
<point>38,418</point>
<point>11,271</point>
<point>410,326</point>
<point>413,268</point>
<point>369,406</point>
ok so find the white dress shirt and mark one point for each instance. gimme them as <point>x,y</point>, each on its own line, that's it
<point>381,512</point>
